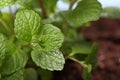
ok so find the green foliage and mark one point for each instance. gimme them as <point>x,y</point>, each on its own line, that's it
<point>27,24</point>
<point>89,59</point>
<point>31,73</point>
<point>15,76</point>
<point>51,38</point>
<point>45,73</point>
<point>86,72</point>
<point>15,59</point>
<point>50,5</point>
<point>4,3</point>
<point>2,48</point>
<point>52,60</point>
<point>29,44</point>
<point>86,10</point>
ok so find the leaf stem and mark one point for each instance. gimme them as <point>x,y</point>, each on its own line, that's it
<point>44,12</point>
<point>72,4</point>
<point>5,26</point>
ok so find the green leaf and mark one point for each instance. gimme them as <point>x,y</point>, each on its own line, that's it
<point>87,72</point>
<point>4,3</point>
<point>27,24</point>
<point>86,10</point>
<point>2,48</point>
<point>51,38</point>
<point>81,47</point>
<point>30,74</point>
<point>15,76</point>
<point>50,5</point>
<point>14,60</point>
<point>52,60</point>
<point>92,57</point>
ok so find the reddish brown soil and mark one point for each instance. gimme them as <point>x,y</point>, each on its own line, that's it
<point>107,33</point>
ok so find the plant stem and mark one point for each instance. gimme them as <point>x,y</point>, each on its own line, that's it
<point>72,3</point>
<point>5,26</point>
<point>43,9</point>
<point>10,10</point>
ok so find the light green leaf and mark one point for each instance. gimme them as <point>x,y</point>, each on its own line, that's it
<point>14,60</point>
<point>52,60</point>
<point>30,74</point>
<point>2,48</point>
<point>51,38</point>
<point>24,3</point>
<point>15,76</point>
<point>27,24</point>
<point>87,72</point>
<point>4,3</point>
<point>86,10</point>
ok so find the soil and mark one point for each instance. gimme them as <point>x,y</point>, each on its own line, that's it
<point>107,33</point>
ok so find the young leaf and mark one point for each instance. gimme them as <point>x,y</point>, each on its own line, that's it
<point>27,24</point>
<point>86,10</point>
<point>4,3</point>
<point>51,38</point>
<point>15,76</point>
<point>2,48</point>
<point>14,60</point>
<point>92,57</point>
<point>87,72</point>
<point>52,60</point>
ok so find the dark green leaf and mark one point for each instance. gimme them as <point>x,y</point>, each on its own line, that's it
<point>52,60</point>
<point>27,24</point>
<point>15,76</point>
<point>50,5</point>
<point>92,57</point>
<point>2,48</point>
<point>51,38</point>
<point>4,3</point>
<point>43,73</point>
<point>14,60</point>
<point>30,74</point>
<point>86,10</point>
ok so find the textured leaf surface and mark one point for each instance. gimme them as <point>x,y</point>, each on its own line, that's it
<point>53,60</point>
<point>2,48</point>
<point>27,24</point>
<point>4,3</point>
<point>86,10</point>
<point>50,39</point>
<point>14,60</point>
<point>15,76</point>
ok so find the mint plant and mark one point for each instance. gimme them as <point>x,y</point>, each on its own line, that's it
<point>30,38</point>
